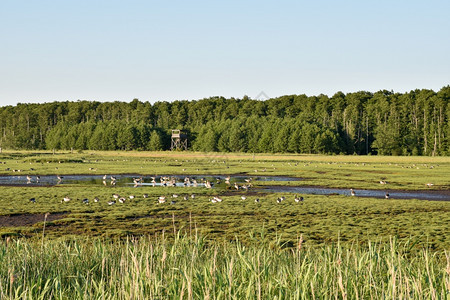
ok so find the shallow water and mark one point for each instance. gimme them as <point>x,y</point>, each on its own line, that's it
<point>393,194</point>
<point>217,181</point>
<point>128,179</point>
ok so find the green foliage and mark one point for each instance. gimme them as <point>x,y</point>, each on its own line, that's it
<point>387,123</point>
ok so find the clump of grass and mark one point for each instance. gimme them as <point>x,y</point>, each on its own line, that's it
<point>191,267</point>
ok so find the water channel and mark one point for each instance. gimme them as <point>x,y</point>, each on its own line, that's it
<point>218,181</point>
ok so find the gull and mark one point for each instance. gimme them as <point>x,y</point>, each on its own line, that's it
<point>131,197</point>
<point>66,199</point>
<point>116,196</point>
<point>243,198</point>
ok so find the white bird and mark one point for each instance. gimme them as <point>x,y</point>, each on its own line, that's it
<point>430,184</point>
<point>122,199</point>
<point>352,192</point>
<point>175,196</point>
<point>257,200</point>
<point>111,202</point>
<point>66,199</point>
<point>243,198</point>
<point>96,199</point>
<point>193,196</point>
<point>116,196</point>
<point>131,197</point>
<point>162,199</point>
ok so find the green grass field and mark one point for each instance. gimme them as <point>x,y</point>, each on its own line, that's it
<point>322,222</point>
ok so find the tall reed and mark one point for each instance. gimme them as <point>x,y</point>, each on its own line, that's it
<point>194,268</point>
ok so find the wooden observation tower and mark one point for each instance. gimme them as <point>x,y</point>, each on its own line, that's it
<point>179,140</point>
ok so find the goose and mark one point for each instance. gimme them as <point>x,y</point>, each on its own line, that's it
<point>29,178</point>
<point>208,184</point>
<point>236,186</point>
<point>213,200</point>
<point>352,192</point>
<point>218,199</point>
<point>298,199</point>
<point>383,182</point>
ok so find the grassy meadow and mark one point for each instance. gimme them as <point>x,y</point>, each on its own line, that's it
<point>326,246</point>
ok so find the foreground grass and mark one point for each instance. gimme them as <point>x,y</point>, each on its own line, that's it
<point>190,268</point>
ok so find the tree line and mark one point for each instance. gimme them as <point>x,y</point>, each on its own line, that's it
<point>387,123</point>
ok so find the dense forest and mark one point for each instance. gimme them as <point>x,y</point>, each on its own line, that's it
<point>388,123</point>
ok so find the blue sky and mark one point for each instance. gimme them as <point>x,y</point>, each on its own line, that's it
<point>174,50</point>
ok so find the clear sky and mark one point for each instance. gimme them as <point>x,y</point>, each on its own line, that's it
<point>172,50</point>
